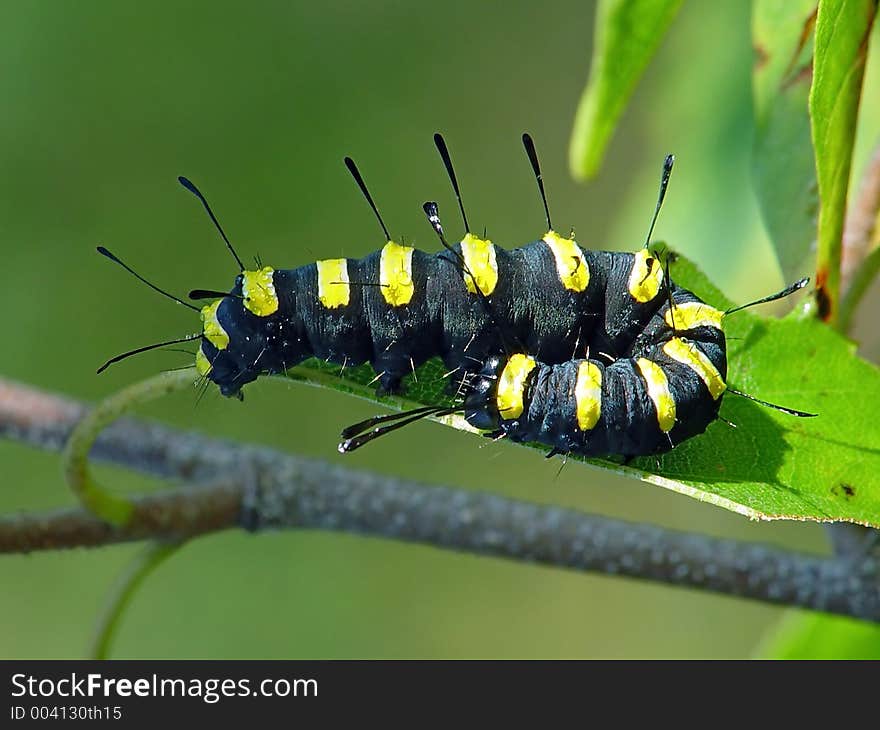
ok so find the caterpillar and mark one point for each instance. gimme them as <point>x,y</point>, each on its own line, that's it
<point>510,323</point>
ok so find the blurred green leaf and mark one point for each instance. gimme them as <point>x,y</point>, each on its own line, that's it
<point>627,34</point>
<point>783,165</point>
<point>772,465</point>
<point>841,44</point>
<point>820,636</point>
<point>858,287</point>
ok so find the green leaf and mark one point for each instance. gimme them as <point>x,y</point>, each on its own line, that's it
<point>783,166</point>
<point>842,30</point>
<point>626,36</point>
<point>772,465</point>
<point>820,636</point>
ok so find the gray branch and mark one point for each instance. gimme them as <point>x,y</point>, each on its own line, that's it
<point>255,488</point>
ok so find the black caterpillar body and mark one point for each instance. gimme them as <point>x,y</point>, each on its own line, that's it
<point>398,307</point>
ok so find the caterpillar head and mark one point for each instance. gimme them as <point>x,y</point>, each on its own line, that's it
<point>219,358</point>
<point>247,332</point>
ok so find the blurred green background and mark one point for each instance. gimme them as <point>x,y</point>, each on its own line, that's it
<point>105,103</point>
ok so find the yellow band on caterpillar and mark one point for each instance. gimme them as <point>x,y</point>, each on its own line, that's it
<point>645,278</point>
<point>480,265</point>
<point>571,265</point>
<point>202,364</point>
<point>511,386</point>
<point>395,274</point>
<point>687,353</point>
<point>333,284</point>
<point>690,315</point>
<point>588,395</point>
<point>658,392</point>
<point>211,327</point>
<point>258,290</point>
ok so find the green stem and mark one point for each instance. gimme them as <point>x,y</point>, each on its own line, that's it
<point>146,561</point>
<point>94,497</point>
